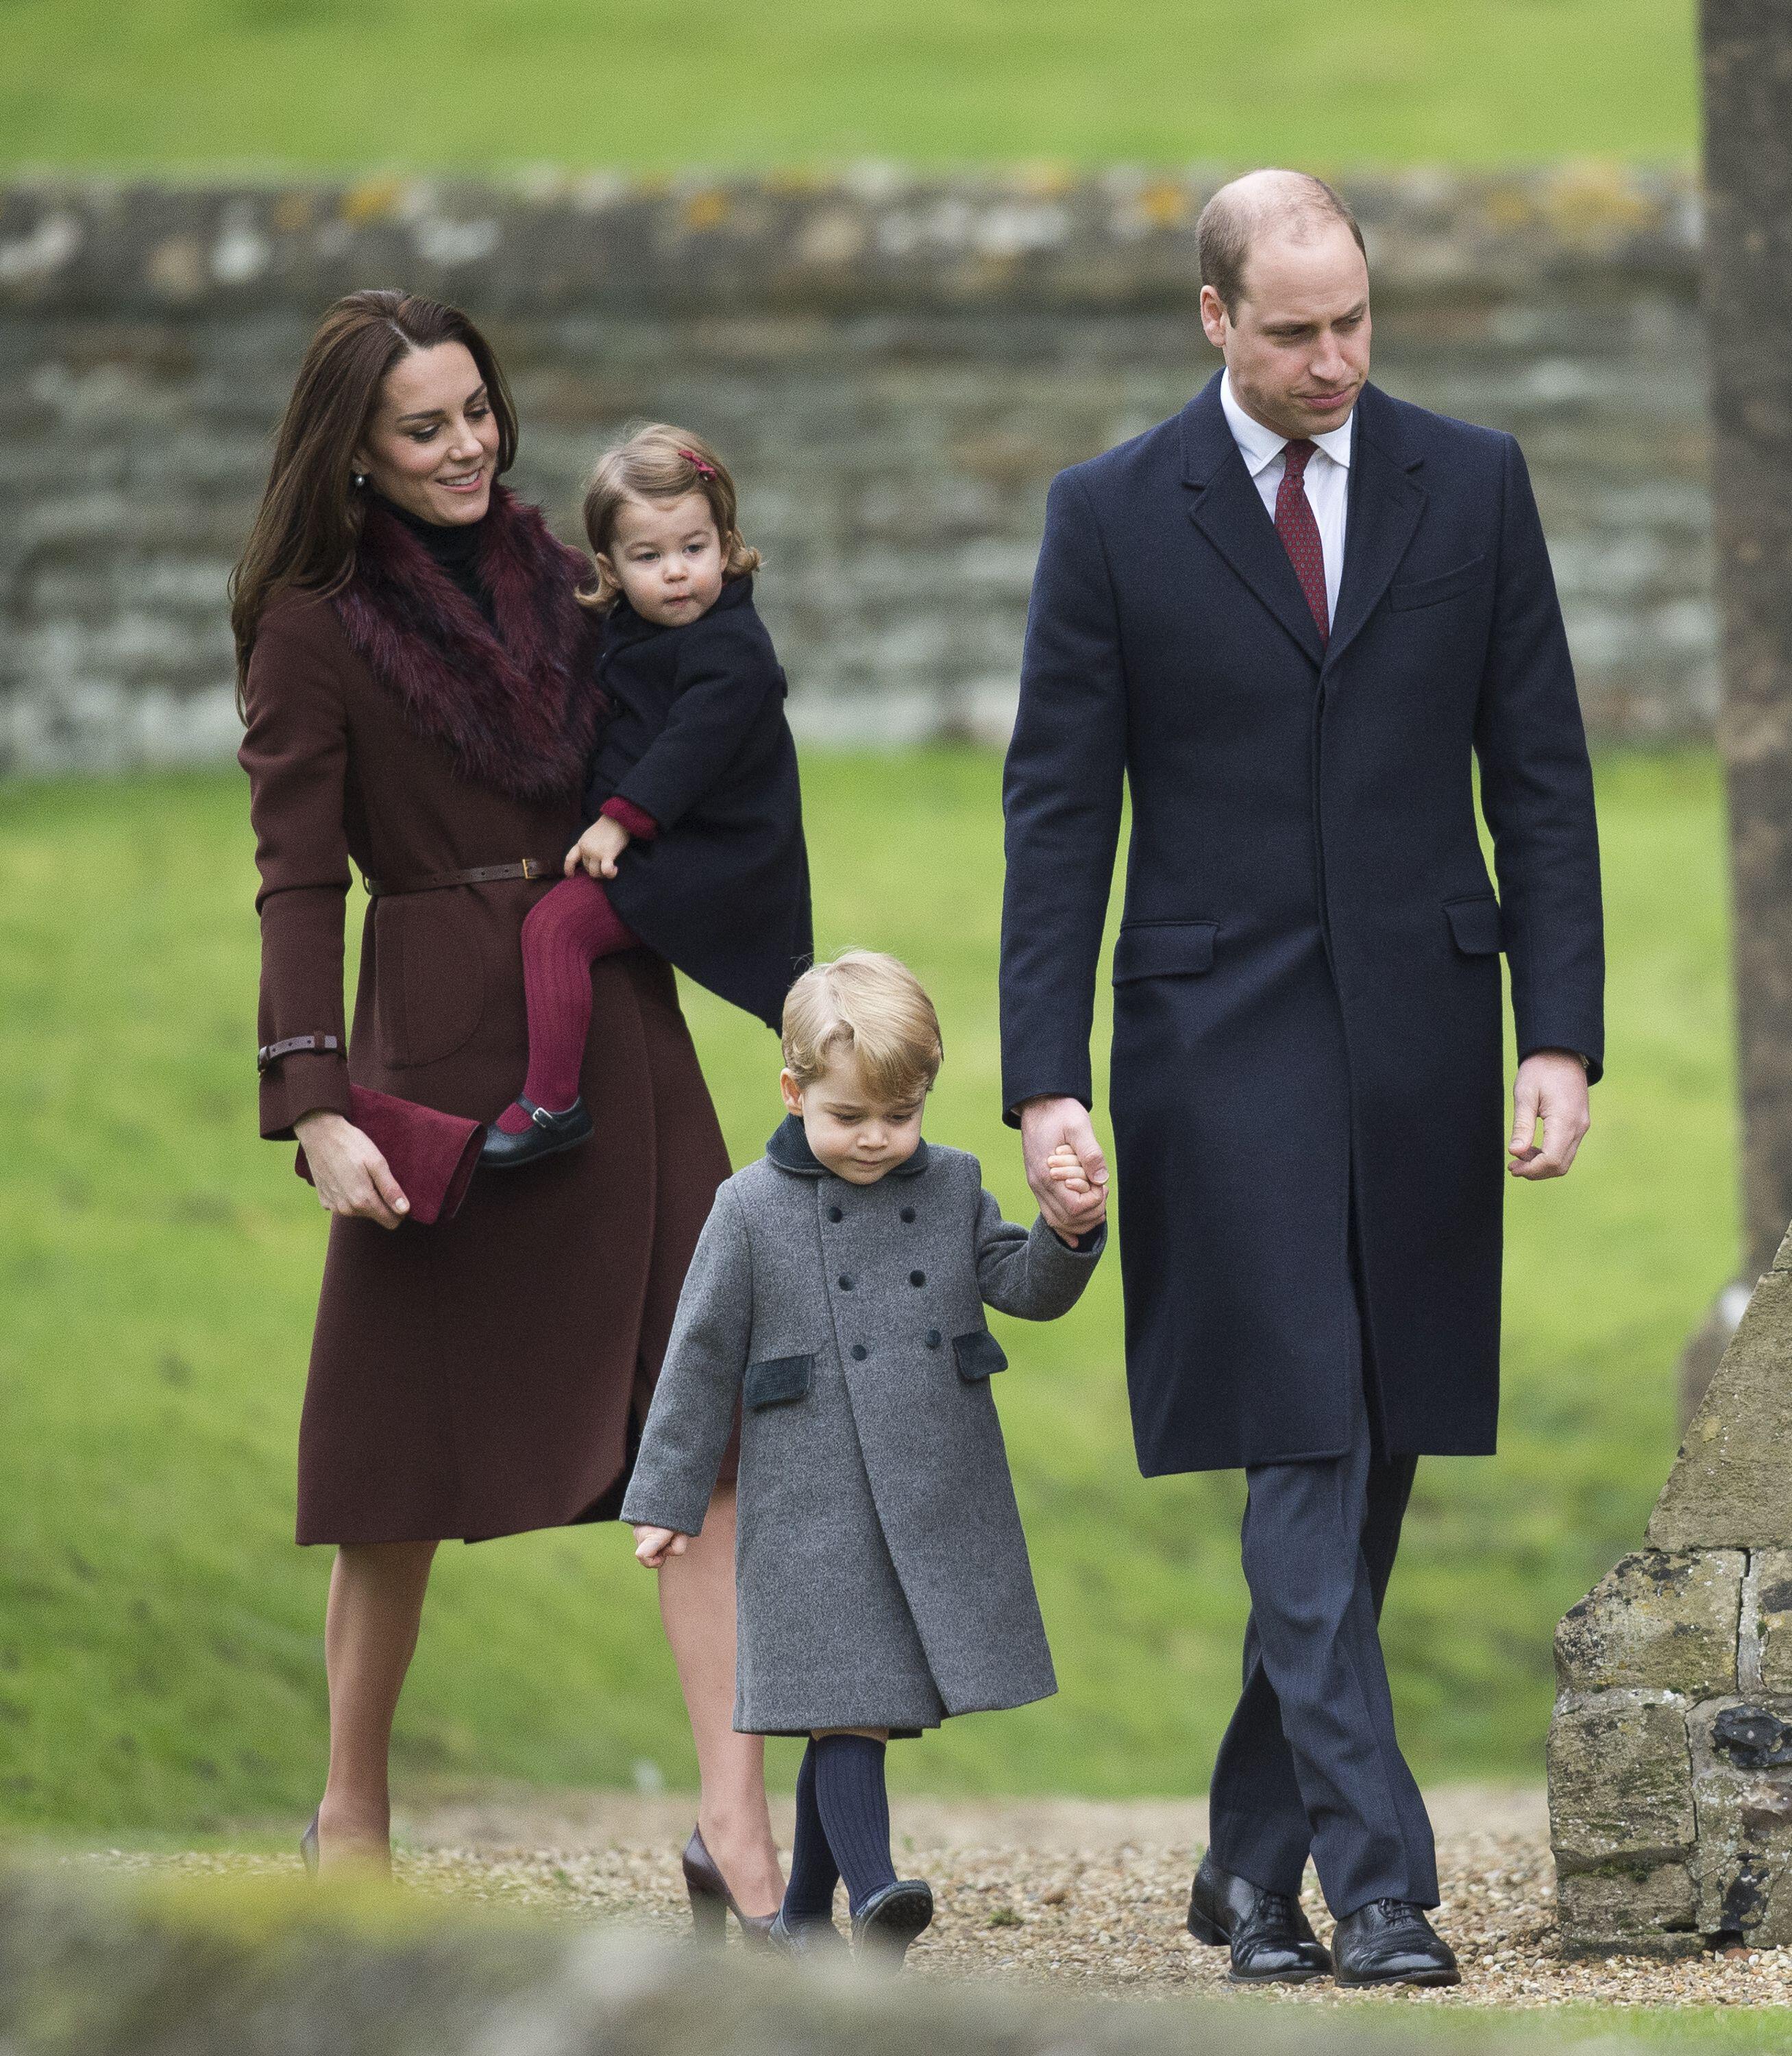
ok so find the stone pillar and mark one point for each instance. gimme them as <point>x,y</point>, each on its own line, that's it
<point>1671,1747</point>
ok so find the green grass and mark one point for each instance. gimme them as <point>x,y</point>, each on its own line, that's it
<point>479,85</point>
<point>161,1662</point>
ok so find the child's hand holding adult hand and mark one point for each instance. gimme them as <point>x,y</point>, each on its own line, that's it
<point>654,1545</point>
<point>1064,1167</point>
<point>597,849</point>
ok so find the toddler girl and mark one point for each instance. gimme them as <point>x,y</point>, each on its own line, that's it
<point>836,1297</point>
<point>696,816</point>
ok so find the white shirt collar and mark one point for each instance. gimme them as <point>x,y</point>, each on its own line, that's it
<point>1259,446</point>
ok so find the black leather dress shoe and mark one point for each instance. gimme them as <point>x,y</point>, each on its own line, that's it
<point>805,1941</point>
<point>890,1919</point>
<point>1271,1940</point>
<point>1390,1942</point>
<point>546,1135</point>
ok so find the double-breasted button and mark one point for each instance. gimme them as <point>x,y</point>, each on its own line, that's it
<point>845,1283</point>
<point>860,1352</point>
<point>835,1214</point>
<point>908,1213</point>
<point>933,1339</point>
<point>917,1278</point>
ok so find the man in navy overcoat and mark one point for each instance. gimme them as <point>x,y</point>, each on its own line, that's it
<point>1292,620</point>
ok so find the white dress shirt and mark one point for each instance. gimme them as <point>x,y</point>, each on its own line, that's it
<point>1326,481</point>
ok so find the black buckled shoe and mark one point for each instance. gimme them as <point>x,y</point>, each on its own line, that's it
<point>805,1941</point>
<point>1271,1940</point>
<point>890,1919</point>
<point>546,1135</point>
<point>1390,1942</point>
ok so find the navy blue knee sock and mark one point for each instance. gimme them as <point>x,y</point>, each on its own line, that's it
<point>809,1896</point>
<point>855,1812</point>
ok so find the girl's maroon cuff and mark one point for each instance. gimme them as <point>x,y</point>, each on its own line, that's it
<point>639,823</point>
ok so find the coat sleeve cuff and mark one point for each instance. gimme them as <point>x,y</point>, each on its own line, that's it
<point>639,823</point>
<point>305,1082</point>
<point>645,1508</point>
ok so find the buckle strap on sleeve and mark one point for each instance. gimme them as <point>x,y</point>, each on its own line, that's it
<point>271,1053</point>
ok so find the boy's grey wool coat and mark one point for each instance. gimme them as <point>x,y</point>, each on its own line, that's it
<point>884,1577</point>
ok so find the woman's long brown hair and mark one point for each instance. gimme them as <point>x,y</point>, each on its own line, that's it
<point>309,523</point>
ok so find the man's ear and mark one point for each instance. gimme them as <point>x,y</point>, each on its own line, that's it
<point>1214,318</point>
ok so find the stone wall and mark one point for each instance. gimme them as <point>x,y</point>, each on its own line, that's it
<point>895,368</point>
<point>1671,1745</point>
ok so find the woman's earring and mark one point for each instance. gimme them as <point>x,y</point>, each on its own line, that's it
<point>360,478</point>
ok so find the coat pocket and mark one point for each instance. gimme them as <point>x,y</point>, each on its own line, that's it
<point>1163,949</point>
<point>1446,585</point>
<point>428,979</point>
<point>777,1380</point>
<point>978,1355</point>
<point>1474,924</point>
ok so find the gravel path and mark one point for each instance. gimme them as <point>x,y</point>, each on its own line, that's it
<point>1074,1892</point>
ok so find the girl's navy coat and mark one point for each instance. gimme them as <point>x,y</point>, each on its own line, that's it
<point>1308,1113</point>
<point>699,740</point>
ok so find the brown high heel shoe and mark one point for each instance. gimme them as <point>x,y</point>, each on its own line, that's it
<point>711,1902</point>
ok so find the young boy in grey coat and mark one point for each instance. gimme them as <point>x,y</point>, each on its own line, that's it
<point>837,1296</point>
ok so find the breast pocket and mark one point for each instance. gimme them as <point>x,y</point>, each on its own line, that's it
<point>1446,585</point>
<point>777,1380</point>
<point>428,977</point>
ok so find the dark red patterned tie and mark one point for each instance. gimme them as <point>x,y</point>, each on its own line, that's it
<point>1301,532</point>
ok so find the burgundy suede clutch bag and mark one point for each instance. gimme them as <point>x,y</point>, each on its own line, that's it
<point>433,1155</point>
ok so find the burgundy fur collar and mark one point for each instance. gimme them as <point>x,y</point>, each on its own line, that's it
<point>518,709</point>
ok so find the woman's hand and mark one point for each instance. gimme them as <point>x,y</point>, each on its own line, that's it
<point>597,849</point>
<point>654,1545</point>
<point>352,1177</point>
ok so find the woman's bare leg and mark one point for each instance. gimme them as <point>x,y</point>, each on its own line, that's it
<point>697,1605</point>
<point>370,1635</point>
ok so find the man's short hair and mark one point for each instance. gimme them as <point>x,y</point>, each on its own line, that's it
<point>1231,222</point>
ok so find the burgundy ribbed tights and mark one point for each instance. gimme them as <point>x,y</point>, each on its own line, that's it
<point>564,933</point>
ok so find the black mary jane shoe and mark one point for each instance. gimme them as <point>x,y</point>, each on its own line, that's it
<point>805,1941</point>
<point>711,1902</point>
<point>1272,1941</point>
<point>890,1919</point>
<point>546,1135</point>
<point>1390,1942</point>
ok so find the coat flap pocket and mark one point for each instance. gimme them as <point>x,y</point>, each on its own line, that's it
<point>776,1380</point>
<point>1427,592</point>
<point>1475,924</point>
<point>978,1354</point>
<point>1163,949</point>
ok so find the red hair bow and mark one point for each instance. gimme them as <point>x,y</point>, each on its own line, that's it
<point>702,468</point>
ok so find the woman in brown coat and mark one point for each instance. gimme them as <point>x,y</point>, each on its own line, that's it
<point>419,698</point>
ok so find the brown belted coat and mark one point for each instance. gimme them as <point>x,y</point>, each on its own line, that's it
<point>477,1377</point>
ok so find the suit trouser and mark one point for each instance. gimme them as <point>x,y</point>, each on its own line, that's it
<point>1309,1763</point>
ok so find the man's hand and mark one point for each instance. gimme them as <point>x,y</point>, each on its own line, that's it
<point>1049,1124</point>
<point>597,849</point>
<point>351,1175</point>
<point>1550,1091</point>
<point>654,1545</point>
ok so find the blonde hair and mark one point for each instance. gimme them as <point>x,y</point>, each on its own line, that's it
<point>658,462</point>
<point>871,1009</point>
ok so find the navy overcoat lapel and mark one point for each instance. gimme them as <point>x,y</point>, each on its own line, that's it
<point>1386,504</point>
<point>1225,506</point>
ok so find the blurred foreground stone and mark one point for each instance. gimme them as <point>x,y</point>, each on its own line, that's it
<point>1670,1749</point>
<point>249,1968</point>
